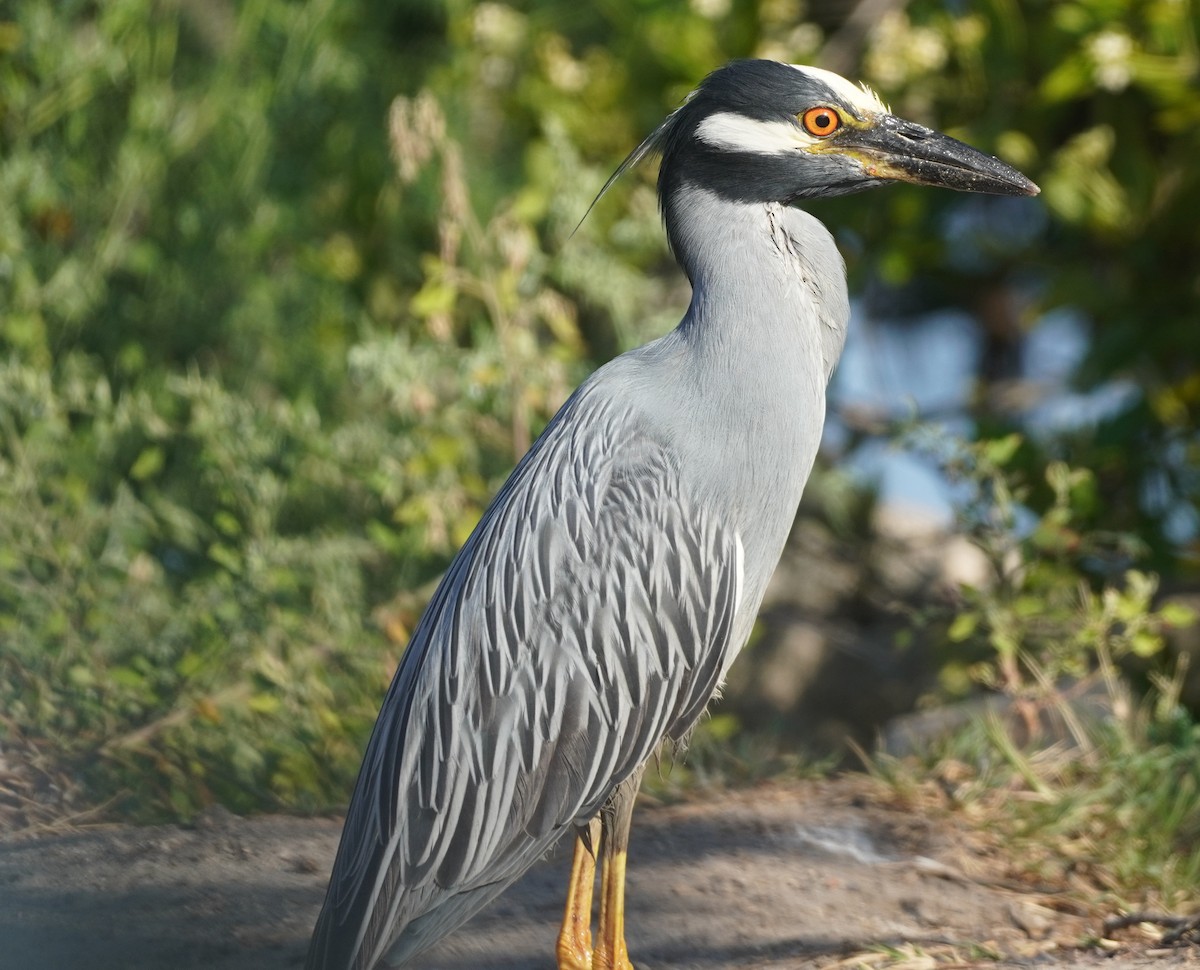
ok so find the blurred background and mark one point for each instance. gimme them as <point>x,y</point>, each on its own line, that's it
<point>287,287</point>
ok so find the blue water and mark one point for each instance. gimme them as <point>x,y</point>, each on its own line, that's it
<point>926,369</point>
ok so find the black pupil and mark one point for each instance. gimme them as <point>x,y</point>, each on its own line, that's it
<point>823,120</point>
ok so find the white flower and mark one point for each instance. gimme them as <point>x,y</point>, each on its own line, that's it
<point>498,27</point>
<point>711,9</point>
<point>1111,53</point>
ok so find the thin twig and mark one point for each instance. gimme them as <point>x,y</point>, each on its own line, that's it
<point>1177,926</point>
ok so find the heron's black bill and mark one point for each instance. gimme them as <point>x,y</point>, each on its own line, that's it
<point>897,149</point>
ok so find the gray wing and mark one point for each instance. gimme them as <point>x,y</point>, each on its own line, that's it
<point>588,617</point>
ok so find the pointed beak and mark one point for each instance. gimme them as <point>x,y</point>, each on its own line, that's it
<point>896,149</point>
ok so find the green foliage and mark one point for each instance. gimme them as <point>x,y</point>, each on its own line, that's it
<point>163,620</point>
<point>200,520</point>
<point>1112,817</point>
<point>1082,786</point>
<point>268,345</point>
<point>1095,98</point>
<point>1128,818</point>
<point>183,186</point>
<point>1061,597</point>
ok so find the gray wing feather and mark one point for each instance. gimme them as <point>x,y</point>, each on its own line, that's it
<point>588,617</point>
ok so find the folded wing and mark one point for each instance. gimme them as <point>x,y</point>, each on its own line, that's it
<point>587,619</point>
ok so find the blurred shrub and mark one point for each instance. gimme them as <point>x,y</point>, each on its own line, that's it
<point>1095,100</point>
<point>1062,599</point>
<point>218,464</point>
<point>163,620</point>
<point>269,338</point>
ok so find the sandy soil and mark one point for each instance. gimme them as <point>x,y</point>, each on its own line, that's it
<point>803,876</point>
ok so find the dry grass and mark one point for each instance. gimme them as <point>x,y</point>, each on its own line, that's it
<point>36,795</point>
<point>1109,831</point>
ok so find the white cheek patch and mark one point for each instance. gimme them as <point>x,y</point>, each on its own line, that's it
<point>737,133</point>
<point>859,97</point>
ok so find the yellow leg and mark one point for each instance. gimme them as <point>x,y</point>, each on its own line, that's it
<point>615,819</point>
<point>611,952</point>
<point>574,948</point>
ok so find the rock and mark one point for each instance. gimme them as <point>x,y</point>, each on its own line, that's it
<point>791,665</point>
<point>916,548</point>
<point>816,575</point>
<point>1074,708</point>
<point>824,665</point>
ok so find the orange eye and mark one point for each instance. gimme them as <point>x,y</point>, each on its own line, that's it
<point>821,121</point>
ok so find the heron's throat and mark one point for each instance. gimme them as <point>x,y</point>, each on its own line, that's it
<point>711,235</point>
<point>768,282</point>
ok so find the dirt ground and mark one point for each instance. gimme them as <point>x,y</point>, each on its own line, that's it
<point>810,875</point>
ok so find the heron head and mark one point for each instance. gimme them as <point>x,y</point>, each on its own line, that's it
<point>763,131</point>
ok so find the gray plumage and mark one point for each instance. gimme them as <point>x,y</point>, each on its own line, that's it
<point>598,605</point>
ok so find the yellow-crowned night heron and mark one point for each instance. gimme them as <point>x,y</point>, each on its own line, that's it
<point>598,605</point>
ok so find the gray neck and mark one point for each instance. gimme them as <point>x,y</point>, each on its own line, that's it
<point>767,280</point>
<point>762,335</point>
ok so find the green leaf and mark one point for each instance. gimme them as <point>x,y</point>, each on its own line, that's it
<point>225,556</point>
<point>227,523</point>
<point>1070,79</point>
<point>148,464</point>
<point>264,703</point>
<point>190,664</point>
<point>128,677</point>
<point>81,676</point>
<point>1000,451</point>
<point>434,297</point>
<point>963,627</point>
<point>1145,644</point>
<point>1177,615</point>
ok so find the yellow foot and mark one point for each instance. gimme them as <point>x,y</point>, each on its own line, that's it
<point>573,957</point>
<point>603,960</point>
<point>574,950</point>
